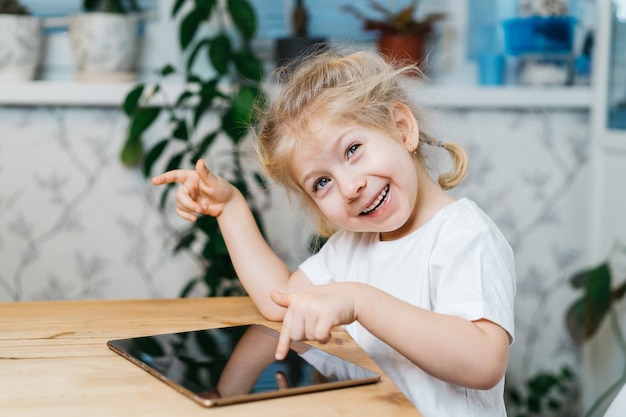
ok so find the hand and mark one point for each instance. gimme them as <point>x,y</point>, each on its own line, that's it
<point>312,313</point>
<point>200,191</point>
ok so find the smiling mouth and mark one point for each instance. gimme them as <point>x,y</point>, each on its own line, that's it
<point>377,203</point>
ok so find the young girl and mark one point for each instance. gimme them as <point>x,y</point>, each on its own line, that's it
<point>424,283</point>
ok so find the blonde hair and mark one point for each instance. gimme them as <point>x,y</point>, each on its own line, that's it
<point>360,87</point>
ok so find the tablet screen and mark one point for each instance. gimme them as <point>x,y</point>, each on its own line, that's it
<point>235,364</point>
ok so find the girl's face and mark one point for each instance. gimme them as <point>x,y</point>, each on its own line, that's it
<point>362,179</point>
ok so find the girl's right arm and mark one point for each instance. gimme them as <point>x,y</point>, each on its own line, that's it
<point>259,269</point>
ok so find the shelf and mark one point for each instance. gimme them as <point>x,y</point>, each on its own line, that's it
<point>69,93</point>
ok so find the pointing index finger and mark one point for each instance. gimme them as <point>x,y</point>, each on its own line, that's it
<point>284,341</point>
<point>174,176</point>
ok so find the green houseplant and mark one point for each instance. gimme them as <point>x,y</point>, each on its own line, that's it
<point>227,90</point>
<point>21,41</point>
<point>555,393</point>
<point>105,40</point>
<point>402,37</point>
<point>596,305</point>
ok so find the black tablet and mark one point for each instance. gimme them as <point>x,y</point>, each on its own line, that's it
<point>229,365</point>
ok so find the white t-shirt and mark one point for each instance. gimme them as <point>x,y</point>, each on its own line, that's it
<point>458,263</point>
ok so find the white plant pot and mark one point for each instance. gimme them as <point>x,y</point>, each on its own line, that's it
<point>105,46</point>
<point>21,41</point>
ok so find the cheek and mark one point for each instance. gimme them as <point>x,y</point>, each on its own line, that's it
<point>331,208</point>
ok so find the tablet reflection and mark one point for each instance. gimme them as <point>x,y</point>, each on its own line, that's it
<point>234,361</point>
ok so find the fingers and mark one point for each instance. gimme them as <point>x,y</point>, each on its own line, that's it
<point>284,340</point>
<point>187,200</point>
<point>182,175</point>
<point>206,176</point>
<point>299,324</point>
<point>177,175</point>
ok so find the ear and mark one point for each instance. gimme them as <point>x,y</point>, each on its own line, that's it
<point>407,126</point>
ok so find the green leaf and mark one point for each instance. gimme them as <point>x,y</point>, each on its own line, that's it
<point>207,224</point>
<point>142,119</point>
<point>153,155</point>
<point>232,129</point>
<point>163,200</point>
<point>208,92</point>
<point>585,315</point>
<point>204,145</point>
<point>206,6</point>
<point>220,53</point>
<point>212,278</point>
<point>244,17</point>
<point>237,119</point>
<point>261,181</point>
<point>205,43</point>
<point>189,287</point>
<point>188,28</point>
<point>215,246</point>
<point>131,102</point>
<point>185,241</point>
<point>176,7</point>
<point>175,161</point>
<point>542,383</point>
<point>183,97</point>
<point>167,70</point>
<point>131,151</point>
<point>180,130</point>
<point>515,396</point>
<point>248,65</point>
<point>534,404</point>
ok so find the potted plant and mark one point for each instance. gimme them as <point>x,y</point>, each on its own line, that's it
<point>105,40</point>
<point>402,36</point>
<point>210,116</point>
<point>21,41</point>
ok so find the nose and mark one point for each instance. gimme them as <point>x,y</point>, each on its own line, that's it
<point>351,187</point>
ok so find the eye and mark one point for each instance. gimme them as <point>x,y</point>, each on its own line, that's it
<point>352,149</point>
<point>322,182</point>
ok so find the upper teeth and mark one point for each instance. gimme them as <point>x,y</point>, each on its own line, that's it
<point>376,202</point>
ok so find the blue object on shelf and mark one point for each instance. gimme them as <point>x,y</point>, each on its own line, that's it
<point>541,35</point>
<point>491,69</point>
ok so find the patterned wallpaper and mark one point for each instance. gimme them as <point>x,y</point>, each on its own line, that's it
<point>75,224</point>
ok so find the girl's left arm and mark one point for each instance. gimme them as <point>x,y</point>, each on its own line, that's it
<point>473,354</point>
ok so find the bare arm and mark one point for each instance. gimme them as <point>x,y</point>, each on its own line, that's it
<point>459,351</point>
<point>259,269</point>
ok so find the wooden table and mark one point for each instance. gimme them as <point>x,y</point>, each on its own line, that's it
<point>54,362</point>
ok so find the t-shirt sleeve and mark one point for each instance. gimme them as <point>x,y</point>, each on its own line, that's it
<point>474,277</point>
<point>317,267</point>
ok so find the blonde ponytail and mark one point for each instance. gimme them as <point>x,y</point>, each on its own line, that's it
<point>460,166</point>
<point>460,161</point>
